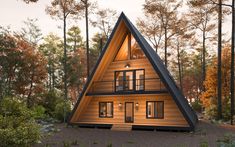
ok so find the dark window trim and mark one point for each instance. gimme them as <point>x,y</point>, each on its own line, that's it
<point>154,108</point>
<point>134,79</point>
<point>106,109</point>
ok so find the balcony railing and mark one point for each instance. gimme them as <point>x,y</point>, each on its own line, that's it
<point>127,86</point>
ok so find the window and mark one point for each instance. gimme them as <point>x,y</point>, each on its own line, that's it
<point>155,109</point>
<point>129,49</point>
<point>136,51</point>
<point>124,80</point>
<point>139,80</point>
<point>129,80</point>
<point>123,51</point>
<point>106,109</point>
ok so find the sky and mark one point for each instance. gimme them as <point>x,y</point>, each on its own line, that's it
<point>14,12</point>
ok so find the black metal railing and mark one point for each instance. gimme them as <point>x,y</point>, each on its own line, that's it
<point>131,85</point>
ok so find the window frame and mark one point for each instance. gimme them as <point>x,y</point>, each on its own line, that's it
<point>106,109</point>
<point>155,107</point>
<point>134,80</point>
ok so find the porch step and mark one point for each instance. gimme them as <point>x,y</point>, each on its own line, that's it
<point>121,127</point>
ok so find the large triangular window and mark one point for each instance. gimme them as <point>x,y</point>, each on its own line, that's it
<point>136,51</point>
<point>129,49</point>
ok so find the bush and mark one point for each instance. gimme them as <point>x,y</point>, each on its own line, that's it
<point>50,100</point>
<point>197,106</point>
<point>61,109</point>
<point>17,126</point>
<point>39,112</point>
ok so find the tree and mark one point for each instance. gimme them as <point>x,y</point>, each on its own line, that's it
<point>62,9</point>
<point>150,27</point>
<point>31,32</point>
<point>74,38</point>
<point>166,12</point>
<point>201,17</point>
<point>30,76</point>
<point>209,97</point>
<point>29,1</point>
<point>96,48</point>
<point>52,49</point>
<point>105,19</point>
<point>87,4</point>
<point>76,60</point>
<point>23,69</point>
<point>219,84</point>
<point>232,61</point>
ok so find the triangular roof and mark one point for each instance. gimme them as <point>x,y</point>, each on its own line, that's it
<point>188,113</point>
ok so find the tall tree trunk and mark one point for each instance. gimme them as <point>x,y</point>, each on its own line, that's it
<point>53,77</point>
<point>232,62</point>
<point>165,29</point>
<point>65,68</point>
<point>179,65</point>
<point>87,38</point>
<point>204,58</point>
<point>219,84</point>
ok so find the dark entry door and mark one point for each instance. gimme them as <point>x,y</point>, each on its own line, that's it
<point>129,112</point>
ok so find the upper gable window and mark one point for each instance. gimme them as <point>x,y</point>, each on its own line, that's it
<point>129,49</point>
<point>136,51</point>
<point>123,51</point>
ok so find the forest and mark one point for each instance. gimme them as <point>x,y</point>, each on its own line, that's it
<point>41,77</point>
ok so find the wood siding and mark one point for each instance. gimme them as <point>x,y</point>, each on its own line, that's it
<point>151,83</point>
<point>172,115</point>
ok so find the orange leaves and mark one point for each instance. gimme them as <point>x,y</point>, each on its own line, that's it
<point>209,97</point>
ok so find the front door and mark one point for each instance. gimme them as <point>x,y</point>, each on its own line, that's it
<point>129,112</point>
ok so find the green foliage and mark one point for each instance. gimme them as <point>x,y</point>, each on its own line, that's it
<point>17,126</point>
<point>204,144</point>
<point>39,112</point>
<point>50,100</point>
<point>62,108</point>
<point>226,141</point>
<point>197,106</point>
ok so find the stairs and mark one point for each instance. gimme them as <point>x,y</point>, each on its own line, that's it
<point>121,127</point>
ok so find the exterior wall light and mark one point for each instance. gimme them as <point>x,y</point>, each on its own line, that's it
<point>127,65</point>
<point>137,105</point>
<point>120,105</point>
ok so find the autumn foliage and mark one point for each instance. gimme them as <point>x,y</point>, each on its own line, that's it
<point>209,97</point>
<point>23,69</point>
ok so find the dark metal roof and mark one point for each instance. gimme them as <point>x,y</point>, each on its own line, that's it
<point>159,67</point>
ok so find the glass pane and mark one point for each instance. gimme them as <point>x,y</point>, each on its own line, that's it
<point>119,81</point>
<point>129,80</point>
<point>102,109</point>
<point>140,80</point>
<point>160,110</point>
<point>150,109</point>
<point>123,51</point>
<point>136,51</point>
<point>129,112</point>
<point>109,109</point>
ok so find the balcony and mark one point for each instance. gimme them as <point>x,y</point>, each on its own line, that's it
<point>119,87</point>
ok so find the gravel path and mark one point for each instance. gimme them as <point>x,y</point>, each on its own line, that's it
<point>92,137</point>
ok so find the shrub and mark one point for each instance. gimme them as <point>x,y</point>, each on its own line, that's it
<point>39,112</point>
<point>197,106</point>
<point>62,107</point>
<point>50,100</point>
<point>17,126</point>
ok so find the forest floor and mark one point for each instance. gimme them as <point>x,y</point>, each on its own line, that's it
<point>206,134</point>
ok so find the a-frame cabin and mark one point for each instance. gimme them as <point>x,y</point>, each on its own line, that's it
<point>130,85</point>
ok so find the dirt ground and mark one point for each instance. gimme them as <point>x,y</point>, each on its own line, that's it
<point>206,133</point>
